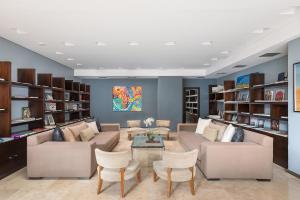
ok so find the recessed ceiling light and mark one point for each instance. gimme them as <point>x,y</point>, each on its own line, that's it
<point>290,11</point>
<point>70,59</point>
<point>225,52</point>
<point>207,43</point>
<point>171,43</point>
<point>102,44</point>
<point>69,44</point>
<point>133,44</point>
<point>59,53</point>
<point>79,64</point>
<point>221,73</point>
<point>19,31</point>
<point>260,31</point>
<point>206,64</point>
<point>214,59</point>
<point>42,43</point>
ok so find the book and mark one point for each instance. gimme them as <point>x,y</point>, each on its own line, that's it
<point>279,95</point>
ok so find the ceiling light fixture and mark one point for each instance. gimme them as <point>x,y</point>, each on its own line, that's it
<point>42,43</point>
<point>225,52</point>
<point>70,59</point>
<point>59,53</point>
<point>133,44</point>
<point>100,44</point>
<point>19,31</point>
<point>69,44</point>
<point>214,59</point>
<point>79,64</point>
<point>290,11</point>
<point>206,64</point>
<point>260,31</point>
<point>171,43</point>
<point>207,43</point>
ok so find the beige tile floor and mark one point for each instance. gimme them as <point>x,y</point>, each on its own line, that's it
<point>17,186</point>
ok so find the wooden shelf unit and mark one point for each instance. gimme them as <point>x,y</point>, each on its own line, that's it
<point>255,107</point>
<point>215,98</point>
<point>5,103</point>
<point>191,107</point>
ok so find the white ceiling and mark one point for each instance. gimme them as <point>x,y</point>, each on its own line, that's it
<point>151,23</point>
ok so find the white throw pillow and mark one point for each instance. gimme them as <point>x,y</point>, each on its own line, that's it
<point>228,133</point>
<point>93,126</point>
<point>202,124</point>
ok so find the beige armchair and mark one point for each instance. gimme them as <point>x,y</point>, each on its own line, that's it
<point>176,167</point>
<point>163,127</point>
<point>116,167</point>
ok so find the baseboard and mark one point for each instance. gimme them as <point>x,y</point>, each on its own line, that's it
<point>293,173</point>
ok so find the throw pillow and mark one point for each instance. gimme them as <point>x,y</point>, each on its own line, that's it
<point>68,135</point>
<point>87,134</point>
<point>228,134</point>
<point>221,129</point>
<point>238,135</point>
<point>93,125</point>
<point>76,130</point>
<point>202,124</point>
<point>57,135</point>
<point>210,133</point>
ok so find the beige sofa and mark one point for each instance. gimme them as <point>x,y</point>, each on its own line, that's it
<point>251,159</point>
<point>46,158</point>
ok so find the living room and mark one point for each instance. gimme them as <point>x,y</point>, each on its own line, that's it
<point>149,99</point>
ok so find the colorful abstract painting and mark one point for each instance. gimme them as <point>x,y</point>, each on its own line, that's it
<point>297,87</point>
<point>127,98</point>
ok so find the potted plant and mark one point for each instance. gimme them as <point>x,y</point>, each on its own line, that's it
<point>148,123</point>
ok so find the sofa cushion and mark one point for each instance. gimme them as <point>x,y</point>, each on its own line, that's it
<point>93,125</point>
<point>76,130</point>
<point>163,123</point>
<point>87,134</point>
<point>57,135</point>
<point>107,140</point>
<point>202,124</point>
<point>228,134</point>
<point>210,133</point>
<point>133,123</point>
<point>238,135</point>
<point>68,135</point>
<point>220,128</point>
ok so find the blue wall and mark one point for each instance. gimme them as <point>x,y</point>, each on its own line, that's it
<point>169,98</point>
<point>294,117</point>
<point>203,84</point>
<point>101,99</point>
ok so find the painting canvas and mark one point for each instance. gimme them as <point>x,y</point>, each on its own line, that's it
<point>243,81</point>
<point>127,98</point>
<point>297,87</point>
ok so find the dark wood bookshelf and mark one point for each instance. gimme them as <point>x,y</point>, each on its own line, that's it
<point>5,102</point>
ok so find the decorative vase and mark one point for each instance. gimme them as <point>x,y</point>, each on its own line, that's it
<point>150,137</point>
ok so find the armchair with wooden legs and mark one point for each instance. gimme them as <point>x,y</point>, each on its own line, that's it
<point>116,167</point>
<point>176,167</point>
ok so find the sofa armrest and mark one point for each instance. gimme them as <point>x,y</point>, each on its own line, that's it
<point>106,127</point>
<point>236,159</point>
<point>191,127</point>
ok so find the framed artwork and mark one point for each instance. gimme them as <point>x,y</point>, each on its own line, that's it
<point>126,98</point>
<point>25,113</point>
<point>243,81</point>
<point>279,95</point>
<point>51,121</point>
<point>275,125</point>
<point>297,87</point>
<point>269,95</point>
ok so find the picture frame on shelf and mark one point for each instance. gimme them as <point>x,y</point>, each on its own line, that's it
<point>48,97</point>
<point>253,122</point>
<point>26,113</point>
<point>283,76</point>
<point>269,95</point>
<point>51,121</point>
<point>296,84</point>
<point>67,96</point>
<point>261,123</point>
<point>275,125</point>
<point>279,94</point>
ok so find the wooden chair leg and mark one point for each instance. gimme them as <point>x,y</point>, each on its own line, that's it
<point>192,186</point>
<point>122,182</point>
<point>155,178</point>
<point>169,170</point>
<point>138,176</point>
<point>100,181</point>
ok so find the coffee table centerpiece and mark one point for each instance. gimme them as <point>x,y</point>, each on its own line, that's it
<point>149,133</point>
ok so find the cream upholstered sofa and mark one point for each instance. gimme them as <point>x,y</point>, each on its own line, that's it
<point>251,159</point>
<point>46,158</point>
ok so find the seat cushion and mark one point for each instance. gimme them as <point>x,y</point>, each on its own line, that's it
<point>177,175</point>
<point>113,175</point>
<point>106,141</point>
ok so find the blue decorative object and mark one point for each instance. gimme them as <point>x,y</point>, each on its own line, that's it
<point>243,81</point>
<point>58,135</point>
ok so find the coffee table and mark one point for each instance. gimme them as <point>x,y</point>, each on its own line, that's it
<point>146,152</point>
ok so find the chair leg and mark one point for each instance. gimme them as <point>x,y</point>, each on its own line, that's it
<point>138,176</point>
<point>122,183</point>
<point>192,186</point>
<point>155,178</point>
<point>100,181</point>
<point>169,170</point>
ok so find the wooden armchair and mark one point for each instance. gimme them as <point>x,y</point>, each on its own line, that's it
<point>176,167</point>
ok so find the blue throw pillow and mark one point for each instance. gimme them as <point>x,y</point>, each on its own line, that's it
<point>238,135</point>
<point>58,135</point>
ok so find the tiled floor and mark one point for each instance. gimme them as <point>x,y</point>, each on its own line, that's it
<point>17,186</point>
